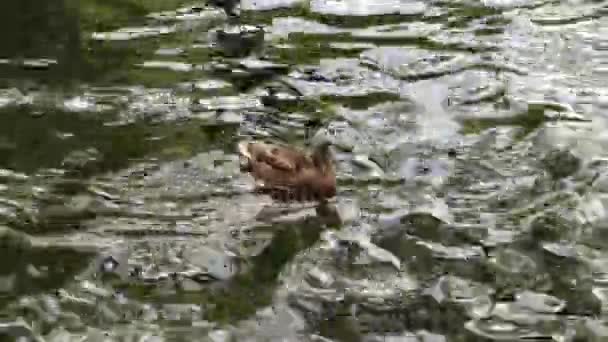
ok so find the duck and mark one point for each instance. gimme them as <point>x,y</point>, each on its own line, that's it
<point>292,174</point>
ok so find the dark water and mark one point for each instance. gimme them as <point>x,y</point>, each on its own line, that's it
<point>471,153</point>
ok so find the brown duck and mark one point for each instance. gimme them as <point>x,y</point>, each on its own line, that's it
<point>290,174</point>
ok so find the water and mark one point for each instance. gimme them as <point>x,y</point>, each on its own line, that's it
<point>471,153</point>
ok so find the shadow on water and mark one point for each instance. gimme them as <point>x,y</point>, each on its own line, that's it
<point>37,142</point>
<point>46,47</point>
<point>31,143</point>
<point>253,290</point>
<point>47,44</point>
<point>238,298</point>
<point>43,46</point>
<point>32,30</point>
<point>27,269</point>
<point>37,270</point>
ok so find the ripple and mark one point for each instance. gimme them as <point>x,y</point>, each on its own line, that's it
<point>414,64</point>
<point>174,66</point>
<point>364,8</point>
<point>349,80</point>
<point>266,5</point>
<point>552,15</point>
<point>133,33</point>
<point>11,97</point>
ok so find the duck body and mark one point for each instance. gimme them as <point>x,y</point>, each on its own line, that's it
<point>289,174</point>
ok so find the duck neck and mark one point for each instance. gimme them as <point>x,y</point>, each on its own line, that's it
<point>322,159</point>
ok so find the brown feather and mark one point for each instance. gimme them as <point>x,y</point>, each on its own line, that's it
<point>289,174</point>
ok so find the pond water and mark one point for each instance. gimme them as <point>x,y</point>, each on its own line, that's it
<point>471,153</point>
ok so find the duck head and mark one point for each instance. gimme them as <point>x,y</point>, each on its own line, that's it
<point>322,154</point>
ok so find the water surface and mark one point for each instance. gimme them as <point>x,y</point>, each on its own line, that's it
<point>471,159</point>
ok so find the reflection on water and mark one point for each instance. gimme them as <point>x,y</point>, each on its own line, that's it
<point>470,161</point>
